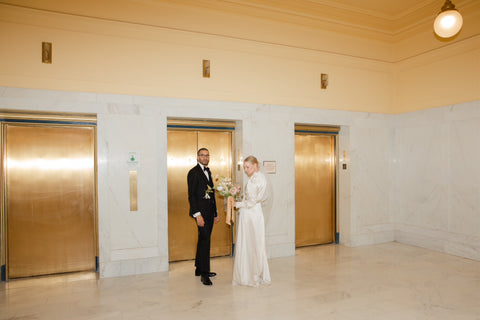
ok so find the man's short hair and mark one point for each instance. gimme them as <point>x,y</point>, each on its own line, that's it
<point>202,149</point>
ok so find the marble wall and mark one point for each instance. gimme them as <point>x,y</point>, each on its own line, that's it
<point>436,182</point>
<point>411,178</point>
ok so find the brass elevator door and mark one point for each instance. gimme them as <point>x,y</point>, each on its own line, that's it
<point>314,189</point>
<point>50,199</point>
<point>182,146</point>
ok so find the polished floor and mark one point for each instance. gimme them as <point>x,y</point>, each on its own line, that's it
<point>387,281</point>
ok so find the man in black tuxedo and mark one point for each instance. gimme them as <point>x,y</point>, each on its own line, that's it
<point>204,210</point>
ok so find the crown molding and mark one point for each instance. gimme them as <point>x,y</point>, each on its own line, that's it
<point>333,15</point>
<point>280,22</point>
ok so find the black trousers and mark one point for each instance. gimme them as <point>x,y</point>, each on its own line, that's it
<point>202,258</point>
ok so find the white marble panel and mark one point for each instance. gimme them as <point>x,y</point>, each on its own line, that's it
<point>125,134</point>
<point>161,194</point>
<point>269,135</point>
<point>133,267</point>
<point>104,225</point>
<point>49,100</point>
<point>370,179</point>
<point>131,242</point>
<point>464,184</point>
<point>136,253</point>
<point>422,188</point>
<point>344,187</point>
<point>439,240</point>
<point>437,179</point>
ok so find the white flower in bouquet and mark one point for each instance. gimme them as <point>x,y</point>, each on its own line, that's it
<point>225,187</point>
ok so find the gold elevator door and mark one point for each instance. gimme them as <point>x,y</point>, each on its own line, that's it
<point>182,146</point>
<point>50,199</point>
<point>314,189</point>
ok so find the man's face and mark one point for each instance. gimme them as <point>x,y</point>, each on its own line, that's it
<point>203,157</point>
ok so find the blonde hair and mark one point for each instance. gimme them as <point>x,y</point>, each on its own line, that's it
<point>251,159</point>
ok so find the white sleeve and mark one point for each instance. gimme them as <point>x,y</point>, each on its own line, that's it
<point>255,192</point>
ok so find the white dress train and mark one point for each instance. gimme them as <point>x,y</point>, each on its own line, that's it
<point>250,267</point>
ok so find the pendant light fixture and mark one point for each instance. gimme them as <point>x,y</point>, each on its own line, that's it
<point>448,22</point>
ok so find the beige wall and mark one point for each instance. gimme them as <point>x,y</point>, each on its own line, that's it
<point>442,77</point>
<point>281,65</point>
<point>430,72</point>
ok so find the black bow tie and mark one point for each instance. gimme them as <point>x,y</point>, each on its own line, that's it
<point>206,169</point>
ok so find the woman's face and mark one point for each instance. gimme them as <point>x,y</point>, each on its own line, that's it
<point>250,168</point>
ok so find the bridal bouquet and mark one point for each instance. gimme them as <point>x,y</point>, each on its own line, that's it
<point>229,191</point>
<point>226,188</point>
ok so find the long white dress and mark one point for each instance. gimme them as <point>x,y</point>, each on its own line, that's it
<point>250,267</point>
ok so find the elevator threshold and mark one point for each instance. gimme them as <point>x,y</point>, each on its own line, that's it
<point>52,278</point>
<point>316,244</point>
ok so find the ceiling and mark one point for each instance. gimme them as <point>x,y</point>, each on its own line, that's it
<point>389,9</point>
<point>381,19</point>
<point>384,20</point>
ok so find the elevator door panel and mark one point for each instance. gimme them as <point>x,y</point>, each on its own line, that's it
<point>50,199</point>
<point>314,189</point>
<point>219,144</point>
<point>182,149</point>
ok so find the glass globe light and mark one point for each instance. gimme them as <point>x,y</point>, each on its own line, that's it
<point>448,22</point>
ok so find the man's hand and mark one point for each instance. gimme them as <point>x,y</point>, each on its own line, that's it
<point>216,219</point>
<point>200,221</point>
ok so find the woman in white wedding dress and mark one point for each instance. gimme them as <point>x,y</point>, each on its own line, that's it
<point>250,267</point>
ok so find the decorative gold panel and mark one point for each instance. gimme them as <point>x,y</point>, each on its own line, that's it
<point>50,199</point>
<point>182,146</point>
<point>220,146</point>
<point>314,189</point>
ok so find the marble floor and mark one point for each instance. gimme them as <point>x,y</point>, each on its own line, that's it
<point>386,281</point>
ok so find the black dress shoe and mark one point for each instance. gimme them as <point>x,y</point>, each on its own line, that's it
<point>210,274</point>
<point>206,280</point>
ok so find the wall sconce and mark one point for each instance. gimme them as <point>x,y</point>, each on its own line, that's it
<point>239,162</point>
<point>206,68</point>
<point>324,80</point>
<point>46,52</point>
<point>448,22</point>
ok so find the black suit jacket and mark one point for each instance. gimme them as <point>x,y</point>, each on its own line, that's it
<point>197,186</point>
